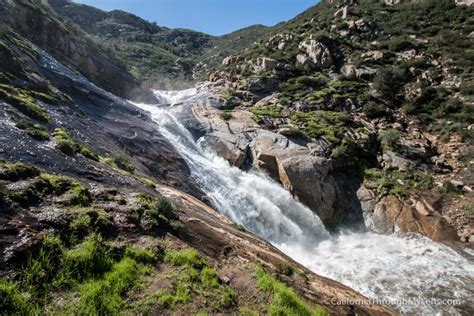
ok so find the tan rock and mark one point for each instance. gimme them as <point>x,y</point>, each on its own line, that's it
<point>318,53</point>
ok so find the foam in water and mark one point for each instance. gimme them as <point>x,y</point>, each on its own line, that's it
<point>394,267</point>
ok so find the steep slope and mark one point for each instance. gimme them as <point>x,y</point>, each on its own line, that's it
<point>37,22</point>
<point>163,57</point>
<point>382,90</point>
<point>90,223</point>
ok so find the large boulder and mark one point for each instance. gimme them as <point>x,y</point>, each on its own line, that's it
<point>308,178</point>
<point>264,64</point>
<point>318,53</point>
<point>392,214</point>
<point>231,60</point>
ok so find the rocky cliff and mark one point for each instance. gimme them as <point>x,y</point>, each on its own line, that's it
<point>372,95</point>
<point>38,23</point>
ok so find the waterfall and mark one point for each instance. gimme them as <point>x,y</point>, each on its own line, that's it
<point>408,271</point>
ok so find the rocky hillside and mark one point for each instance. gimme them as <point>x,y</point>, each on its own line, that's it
<point>39,24</point>
<point>163,57</point>
<point>380,92</point>
<point>95,215</point>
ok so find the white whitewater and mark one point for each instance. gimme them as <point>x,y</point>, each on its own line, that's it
<point>408,271</point>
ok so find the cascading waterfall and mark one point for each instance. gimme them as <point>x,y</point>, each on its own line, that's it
<point>406,270</point>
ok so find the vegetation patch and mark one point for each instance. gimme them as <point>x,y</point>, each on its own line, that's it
<point>119,162</point>
<point>285,301</point>
<point>396,182</point>
<point>196,278</point>
<point>23,102</point>
<point>390,139</point>
<point>153,212</point>
<point>16,171</point>
<point>36,131</point>
<point>14,302</point>
<point>104,296</point>
<point>226,115</point>
<point>64,142</point>
<point>328,124</point>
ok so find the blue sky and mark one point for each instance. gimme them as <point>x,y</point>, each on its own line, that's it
<point>215,17</point>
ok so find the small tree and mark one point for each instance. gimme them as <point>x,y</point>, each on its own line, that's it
<point>390,139</point>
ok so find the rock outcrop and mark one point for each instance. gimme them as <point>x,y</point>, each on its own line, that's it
<point>318,53</point>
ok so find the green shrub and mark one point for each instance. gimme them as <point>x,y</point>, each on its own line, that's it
<point>388,82</point>
<point>88,259</point>
<point>285,301</point>
<point>64,142</point>
<point>226,115</point>
<point>375,110</point>
<point>347,150</point>
<point>273,111</point>
<point>390,139</point>
<point>176,225</point>
<point>36,131</point>
<point>12,302</point>
<point>449,188</point>
<point>396,182</point>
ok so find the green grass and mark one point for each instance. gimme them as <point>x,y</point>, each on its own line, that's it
<point>196,278</point>
<point>147,181</point>
<point>13,302</point>
<point>68,146</point>
<point>88,153</point>
<point>16,171</point>
<point>64,142</point>
<point>88,259</point>
<point>284,300</point>
<point>141,255</point>
<point>119,162</point>
<point>185,257</point>
<point>468,210</point>
<point>23,102</point>
<point>87,220</point>
<point>40,271</point>
<point>35,131</point>
<point>154,212</point>
<point>104,296</point>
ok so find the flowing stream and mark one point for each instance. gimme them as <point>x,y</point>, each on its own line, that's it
<point>410,272</point>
